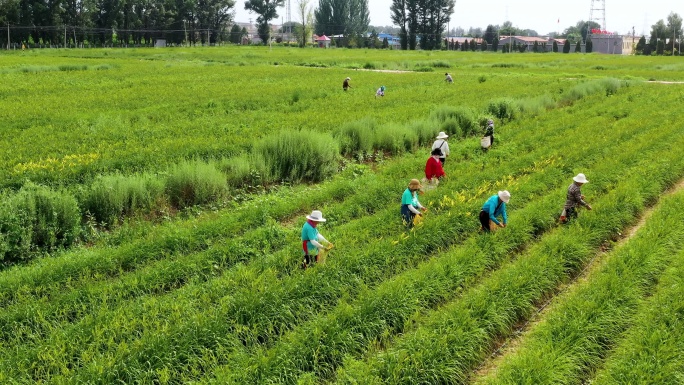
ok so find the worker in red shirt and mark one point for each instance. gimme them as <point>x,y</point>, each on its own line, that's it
<point>433,167</point>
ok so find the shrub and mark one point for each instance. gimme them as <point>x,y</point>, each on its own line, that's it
<point>244,171</point>
<point>37,218</point>
<point>193,183</point>
<point>395,140</point>
<point>356,137</point>
<point>111,197</point>
<point>457,121</point>
<point>426,131</point>
<point>296,156</point>
<point>502,109</point>
<point>535,106</point>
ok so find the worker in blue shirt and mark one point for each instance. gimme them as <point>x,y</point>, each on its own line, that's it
<point>493,208</point>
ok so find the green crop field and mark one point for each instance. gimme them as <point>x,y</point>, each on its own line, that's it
<point>152,202</point>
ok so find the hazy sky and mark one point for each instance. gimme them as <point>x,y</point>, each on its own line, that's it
<point>541,16</point>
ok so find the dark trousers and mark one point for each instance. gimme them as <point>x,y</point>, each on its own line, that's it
<point>407,216</point>
<point>491,140</point>
<point>484,220</point>
<point>442,160</point>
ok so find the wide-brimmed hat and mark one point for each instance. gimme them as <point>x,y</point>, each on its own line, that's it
<point>415,183</point>
<point>316,216</point>
<point>580,178</point>
<point>442,135</point>
<point>504,196</point>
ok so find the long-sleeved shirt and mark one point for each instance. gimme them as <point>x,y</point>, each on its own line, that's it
<point>409,201</point>
<point>574,198</point>
<point>489,130</point>
<point>442,145</point>
<point>433,168</point>
<point>495,207</point>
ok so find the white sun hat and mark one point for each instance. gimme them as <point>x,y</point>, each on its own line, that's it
<point>442,135</point>
<point>505,196</point>
<point>580,178</point>
<point>316,216</point>
<point>348,78</point>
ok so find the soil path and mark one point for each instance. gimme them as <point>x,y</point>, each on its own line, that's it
<point>511,344</point>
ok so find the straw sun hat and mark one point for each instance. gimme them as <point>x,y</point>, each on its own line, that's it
<point>415,184</point>
<point>442,135</point>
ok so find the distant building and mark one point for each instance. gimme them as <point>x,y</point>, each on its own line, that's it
<point>612,44</point>
<point>392,41</point>
<point>322,41</point>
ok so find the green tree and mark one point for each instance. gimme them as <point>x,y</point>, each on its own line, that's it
<point>566,46</point>
<point>495,44</point>
<point>660,47</point>
<point>578,46</point>
<point>535,47</point>
<point>658,31</point>
<point>423,20</point>
<point>400,18</point>
<point>555,46</point>
<point>674,29</point>
<point>590,46</point>
<point>235,34</point>
<point>483,46</point>
<point>385,43</point>
<point>641,46</point>
<point>305,14</point>
<point>267,11</point>
<point>490,34</point>
<point>473,45</point>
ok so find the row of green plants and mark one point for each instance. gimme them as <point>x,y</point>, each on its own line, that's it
<point>381,313</point>
<point>582,326</point>
<point>376,223</point>
<point>48,276</point>
<point>290,156</point>
<point>476,172</point>
<point>657,331</point>
<point>445,345</point>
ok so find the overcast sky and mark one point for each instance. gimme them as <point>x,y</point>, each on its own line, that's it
<point>539,15</point>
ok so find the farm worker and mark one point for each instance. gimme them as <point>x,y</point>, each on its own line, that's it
<point>442,144</point>
<point>448,78</point>
<point>311,238</point>
<point>494,207</point>
<point>410,206</point>
<point>380,92</point>
<point>433,167</point>
<point>574,198</point>
<point>489,131</point>
<point>346,84</point>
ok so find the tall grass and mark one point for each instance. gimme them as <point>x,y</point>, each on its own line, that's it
<point>111,197</point>
<point>299,156</point>
<point>356,137</point>
<point>37,218</point>
<point>194,183</point>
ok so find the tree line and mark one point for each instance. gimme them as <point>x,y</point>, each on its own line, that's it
<point>418,23</point>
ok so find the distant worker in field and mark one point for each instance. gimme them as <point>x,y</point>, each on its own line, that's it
<point>493,208</point>
<point>433,167</point>
<point>441,143</point>
<point>575,199</point>
<point>410,206</point>
<point>448,78</point>
<point>489,131</point>
<point>346,84</point>
<point>311,238</point>
<point>380,92</point>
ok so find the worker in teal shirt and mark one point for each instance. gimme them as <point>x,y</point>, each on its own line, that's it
<point>311,238</point>
<point>410,206</point>
<point>493,208</point>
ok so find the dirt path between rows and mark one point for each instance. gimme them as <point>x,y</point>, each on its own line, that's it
<point>512,344</point>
